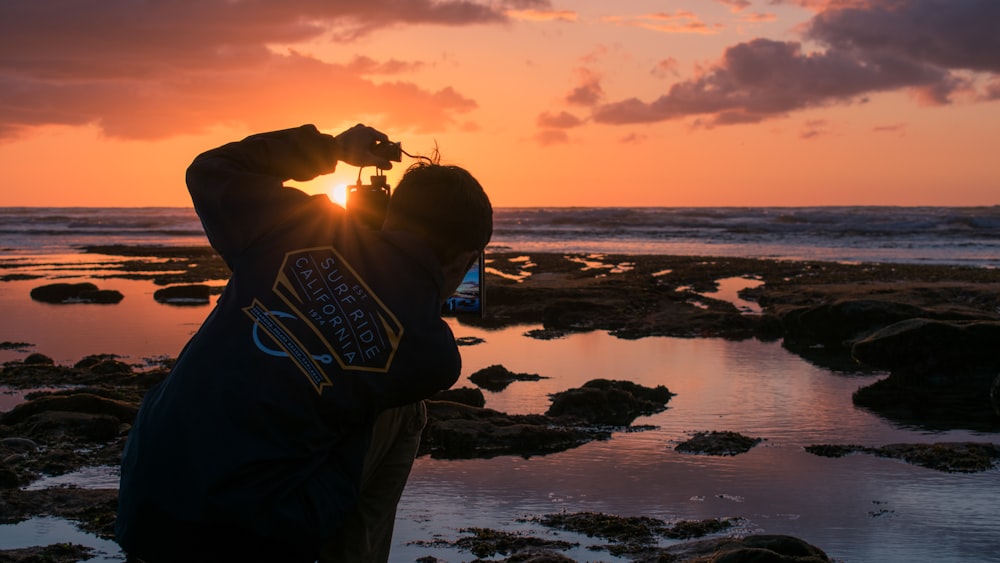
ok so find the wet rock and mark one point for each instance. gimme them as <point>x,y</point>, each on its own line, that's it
<point>464,395</point>
<point>92,509</point>
<point>841,321</point>
<point>941,373</point>
<point>750,549</point>
<point>85,292</point>
<point>37,359</point>
<point>486,542</point>
<point>457,431</point>
<point>55,553</point>
<point>18,444</point>
<point>497,377</point>
<point>921,346</point>
<point>608,402</point>
<point>192,294</point>
<point>82,403</point>
<point>718,443</point>
<point>951,457</point>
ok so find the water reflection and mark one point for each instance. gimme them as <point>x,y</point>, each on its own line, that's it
<point>857,508</point>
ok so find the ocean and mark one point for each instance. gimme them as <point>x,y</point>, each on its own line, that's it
<point>965,236</point>
<point>858,509</point>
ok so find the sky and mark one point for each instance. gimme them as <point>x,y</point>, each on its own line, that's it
<point>546,102</point>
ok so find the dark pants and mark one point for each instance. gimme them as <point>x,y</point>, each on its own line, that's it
<point>367,534</point>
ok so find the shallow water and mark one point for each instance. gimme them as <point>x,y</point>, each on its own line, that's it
<point>857,508</point>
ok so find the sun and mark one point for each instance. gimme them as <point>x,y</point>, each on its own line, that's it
<point>338,194</point>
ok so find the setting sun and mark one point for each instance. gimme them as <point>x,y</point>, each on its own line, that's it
<point>338,194</point>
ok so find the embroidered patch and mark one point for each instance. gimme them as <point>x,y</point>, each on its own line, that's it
<point>334,317</point>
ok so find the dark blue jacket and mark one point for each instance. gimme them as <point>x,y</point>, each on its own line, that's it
<point>259,432</point>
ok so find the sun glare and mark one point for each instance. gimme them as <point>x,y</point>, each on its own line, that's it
<point>338,194</point>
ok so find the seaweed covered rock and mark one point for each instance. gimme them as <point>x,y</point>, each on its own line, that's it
<point>951,457</point>
<point>190,294</point>
<point>497,377</point>
<point>457,431</point>
<point>941,373</point>
<point>758,548</point>
<point>464,395</point>
<point>84,292</point>
<point>613,403</point>
<point>718,443</point>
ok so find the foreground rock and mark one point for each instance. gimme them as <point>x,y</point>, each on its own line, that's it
<point>497,377</point>
<point>635,538</point>
<point>718,443</point>
<point>75,293</point>
<point>954,457</point>
<point>192,294</point>
<point>942,373</point>
<point>577,416</point>
<point>607,402</point>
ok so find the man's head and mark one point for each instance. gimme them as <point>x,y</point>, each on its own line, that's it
<point>443,204</point>
<point>448,208</point>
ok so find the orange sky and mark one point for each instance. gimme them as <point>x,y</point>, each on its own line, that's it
<point>547,102</point>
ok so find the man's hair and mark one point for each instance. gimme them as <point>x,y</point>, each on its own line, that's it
<point>446,205</point>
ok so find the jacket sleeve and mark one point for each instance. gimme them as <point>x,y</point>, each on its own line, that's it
<point>237,189</point>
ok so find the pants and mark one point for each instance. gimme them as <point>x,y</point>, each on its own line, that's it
<point>367,534</point>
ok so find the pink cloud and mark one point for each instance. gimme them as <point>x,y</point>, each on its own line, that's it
<point>157,68</point>
<point>869,47</point>
<point>561,120</point>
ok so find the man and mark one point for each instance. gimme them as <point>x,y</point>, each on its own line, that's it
<point>254,447</point>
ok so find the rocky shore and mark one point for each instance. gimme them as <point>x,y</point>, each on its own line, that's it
<point>931,329</point>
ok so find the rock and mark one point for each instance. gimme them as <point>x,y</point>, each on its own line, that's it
<point>37,359</point>
<point>760,548</point>
<point>54,425</point>
<point>457,431</point>
<point>615,403</point>
<point>718,443</point>
<point>463,395</point>
<point>192,294</point>
<point>951,457</point>
<point>85,292</point>
<point>926,345</point>
<point>497,377</point>
<point>840,323</point>
<point>18,444</point>
<point>84,403</point>
<point>941,375</point>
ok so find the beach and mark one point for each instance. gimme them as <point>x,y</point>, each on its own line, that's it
<point>708,328</point>
<point>758,347</point>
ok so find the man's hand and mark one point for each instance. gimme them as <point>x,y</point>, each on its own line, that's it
<point>354,147</point>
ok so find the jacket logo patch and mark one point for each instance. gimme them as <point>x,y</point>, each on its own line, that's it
<point>334,317</point>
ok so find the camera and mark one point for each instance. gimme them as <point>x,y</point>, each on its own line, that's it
<point>388,150</point>
<point>367,202</point>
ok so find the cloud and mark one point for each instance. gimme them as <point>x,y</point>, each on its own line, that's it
<point>736,5</point>
<point>681,21</point>
<point>954,34</point>
<point>543,15</point>
<point>666,68</point>
<point>561,120</point>
<point>548,137</point>
<point>925,46</point>
<point>160,67</point>
<point>589,91</point>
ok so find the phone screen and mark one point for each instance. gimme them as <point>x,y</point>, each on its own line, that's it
<point>468,298</point>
